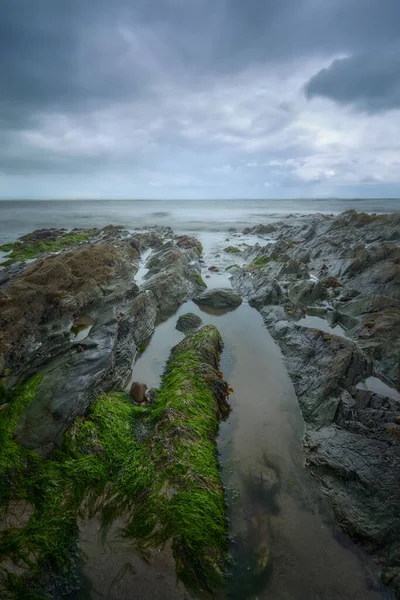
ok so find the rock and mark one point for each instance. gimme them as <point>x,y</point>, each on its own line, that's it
<point>232,250</point>
<point>359,476</point>
<point>189,243</point>
<point>321,366</point>
<point>139,392</point>
<point>55,290</point>
<point>258,288</point>
<point>188,322</point>
<point>67,391</point>
<point>214,269</point>
<point>143,314</point>
<point>307,292</point>
<point>173,276</point>
<point>60,288</point>
<point>219,298</point>
<point>263,229</point>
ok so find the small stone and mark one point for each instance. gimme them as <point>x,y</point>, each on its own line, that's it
<point>139,392</point>
<point>188,322</point>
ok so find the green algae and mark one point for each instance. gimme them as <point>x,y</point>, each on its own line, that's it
<point>232,250</point>
<point>229,267</point>
<point>262,261</point>
<point>156,465</point>
<point>28,247</point>
<point>198,280</point>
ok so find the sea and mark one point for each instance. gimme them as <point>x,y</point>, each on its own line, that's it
<point>18,217</point>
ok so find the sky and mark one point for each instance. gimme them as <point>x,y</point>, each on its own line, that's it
<point>199,98</point>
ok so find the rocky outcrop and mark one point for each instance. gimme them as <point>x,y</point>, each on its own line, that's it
<point>257,287</point>
<point>321,366</point>
<point>174,275</point>
<point>95,280</point>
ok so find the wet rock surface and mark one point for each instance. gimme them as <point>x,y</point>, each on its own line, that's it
<point>346,270</point>
<point>188,322</point>
<point>94,280</point>
<point>219,298</point>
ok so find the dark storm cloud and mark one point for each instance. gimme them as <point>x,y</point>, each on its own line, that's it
<point>81,78</point>
<point>369,82</point>
<point>71,54</point>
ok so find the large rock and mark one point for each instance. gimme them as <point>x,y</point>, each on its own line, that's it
<point>376,328</point>
<point>36,309</point>
<point>321,366</point>
<point>258,288</point>
<point>174,275</point>
<point>219,298</point>
<point>95,281</point>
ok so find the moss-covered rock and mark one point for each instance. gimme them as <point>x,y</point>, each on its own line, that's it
<point>157,465</point>
<point>232,250</point>
<point>188,322</point>
<point>42,241</point>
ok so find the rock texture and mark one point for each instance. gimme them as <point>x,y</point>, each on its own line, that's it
<point>188,322</point>
<point>219,298</point>
<point>39,306</point>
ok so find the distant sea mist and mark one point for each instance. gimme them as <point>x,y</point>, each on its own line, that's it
<point>18,217</point>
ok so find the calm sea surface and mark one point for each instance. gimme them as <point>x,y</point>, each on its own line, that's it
<point>20,217</point>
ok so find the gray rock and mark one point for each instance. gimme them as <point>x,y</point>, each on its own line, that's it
<point>307,292</point>
<point>360,477</point>
<point>188,322</point>
<point>219,298</point>
<point>321,366</point>
<point>258,288</point>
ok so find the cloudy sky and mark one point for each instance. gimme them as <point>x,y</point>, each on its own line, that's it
<point>199,98</point>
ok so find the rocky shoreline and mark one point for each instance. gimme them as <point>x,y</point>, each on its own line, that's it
<point>343,271</point>
<point>328,289</point>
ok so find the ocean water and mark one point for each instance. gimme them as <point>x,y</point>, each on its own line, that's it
<point>23,216</point>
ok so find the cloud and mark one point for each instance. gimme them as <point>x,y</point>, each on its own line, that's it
<point>200,98</point>
<point>370,82</point>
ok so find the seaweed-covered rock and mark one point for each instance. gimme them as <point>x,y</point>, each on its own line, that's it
<point>155,464</point>
<point>188,322</point>
<point>232,250</point>
<point>189,243</point>
<point>219,298</point>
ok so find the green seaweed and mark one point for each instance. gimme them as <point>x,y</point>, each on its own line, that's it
<point>6,247</point>
<point>157,465</point>
<point>27,248</point>
<point>229,267</point>
<point>262,261</point>
<point>232,250</point>
<point>197,278</point>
